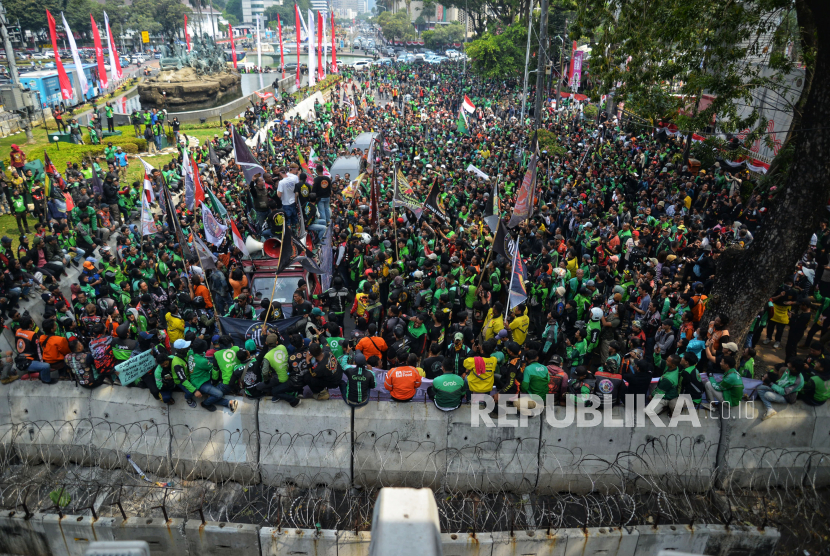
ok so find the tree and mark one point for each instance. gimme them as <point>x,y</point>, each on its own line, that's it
<point>396,26</point>
<point>495,56</point>
<point>445,35</point>
<point>286,11</point>
<point>32,19</point>
<point>234,8</point>
<point>721,48</point>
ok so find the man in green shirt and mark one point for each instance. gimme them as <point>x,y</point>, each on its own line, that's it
<point>109,153</point>
<point>669,384</point>
<point>201,371</point>
<point>536,377</point>
<point>108,111</point>
<point>226,359</point>
<point>275,373</point>
<point>730,389</point>
<point>448,389</point>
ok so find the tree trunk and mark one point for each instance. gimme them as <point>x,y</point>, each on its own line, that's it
<point>746,279</point>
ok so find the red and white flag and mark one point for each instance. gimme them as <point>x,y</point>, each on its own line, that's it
<point>468,105</point>
<point>115,62</point>
<point>148,182</point>
<point>237,240</point>
<point>66,87</point>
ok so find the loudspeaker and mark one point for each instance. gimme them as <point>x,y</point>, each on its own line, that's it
<point>272,247</point>
<point>253,245</point>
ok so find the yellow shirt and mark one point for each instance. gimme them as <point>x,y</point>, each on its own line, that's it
<point>518,329</point>
<point>492,325</point>
<point>572,266</point>
<point>175,328</point>
<point>362,300</point>
<point>483,383</point>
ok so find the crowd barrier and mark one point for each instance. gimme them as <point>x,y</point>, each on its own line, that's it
<point>408,444</point>
<point>70,535</point>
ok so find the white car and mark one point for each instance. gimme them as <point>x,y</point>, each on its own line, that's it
<point>451,53</point>
<point>362,65</point>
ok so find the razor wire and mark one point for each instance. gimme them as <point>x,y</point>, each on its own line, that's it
<point>144,469</point>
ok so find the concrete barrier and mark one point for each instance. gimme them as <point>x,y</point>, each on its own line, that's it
<point>231,108</point>
<point>221,539</point>
<point>218,446</point>
<point>739,539</point>
<point>299,542</point>
<point>164,537</point>
<point>679,538</point>
<point>582,459</point>
<point>70,535</point>
<point>400,444</point>
<point>775,452</point>
<point>143,432</point>
<point>491,458</point>
<point>22,536</point>
<point>58,428</point>
<point>307,445</point>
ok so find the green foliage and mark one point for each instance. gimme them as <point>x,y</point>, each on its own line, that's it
<point>548,142</point>
<point>396,26</point>
<point>708,151</point>
<point>495,56</point>
<point>60,498</point>
<point>443,35</point>
<point>234,8</point>
<point>590,111</point>
<point>654,103</point>
<point>284,10</point>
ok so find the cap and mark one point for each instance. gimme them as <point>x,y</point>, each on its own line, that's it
<point>89,266</point>
<point>317,312</point>
<point>181,344</point>
<point>502,334</point>
<point>459,336</point>
<point>453,260</point>
<point>731,346</point>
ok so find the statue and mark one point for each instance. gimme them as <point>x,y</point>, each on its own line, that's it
<point>205,58</point>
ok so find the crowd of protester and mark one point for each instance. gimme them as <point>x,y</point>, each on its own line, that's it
<point>620,255</point>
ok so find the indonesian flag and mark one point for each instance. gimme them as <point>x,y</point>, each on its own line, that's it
<point>148,182</point>
<point>468,105</point>
<point>757,166</point>
<point>237,240</point>
<point>352,111</point>
<point>115,62</point>
<point>697,138</point>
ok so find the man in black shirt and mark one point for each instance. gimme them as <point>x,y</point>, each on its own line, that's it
<point>322,189</point>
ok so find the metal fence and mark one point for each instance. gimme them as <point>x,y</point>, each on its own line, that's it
<point>81,467</point>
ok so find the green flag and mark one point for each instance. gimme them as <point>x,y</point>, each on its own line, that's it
<point>216,205</point>
<point>462,122</point>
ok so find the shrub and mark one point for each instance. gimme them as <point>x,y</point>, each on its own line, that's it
<point>590,111</point>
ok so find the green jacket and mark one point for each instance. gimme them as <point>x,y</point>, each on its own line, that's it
<point>536,380</point>
<point>201,369</point>
<point>449,389</point>
<point>669,385</point>
<point>731,386</point>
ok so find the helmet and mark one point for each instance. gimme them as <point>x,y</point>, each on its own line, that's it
<point>198,302</point>
<point>109,275</point>
<point>610,365</point>
<point>556,360</point>
<point>188,316</point>
<point>184,299</point>
<point>596,313</point>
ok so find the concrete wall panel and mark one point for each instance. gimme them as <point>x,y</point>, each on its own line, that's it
<point>22,536</point>
<point>306,445</point>
<point>129,421</point>
<point>221,539</point>
<point>528,543</point>
<point>217,446</point>
<point>602,541</point>
<point>679,538</point>
<point>165,538</point>
<point>738,540</point>
<point>467,544</point>
<point>299,542</point>
<point>400,444</point>
<point>70,535</point>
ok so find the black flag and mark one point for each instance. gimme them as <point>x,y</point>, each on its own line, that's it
<point>246,160</point>
<point>503,243</point>
<point>432,203</point>
<point>289,249</point>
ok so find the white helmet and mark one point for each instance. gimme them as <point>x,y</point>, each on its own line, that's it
<point>596,313</point>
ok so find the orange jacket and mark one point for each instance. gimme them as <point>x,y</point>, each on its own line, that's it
<point>54,348</point>
<point>402,382</point>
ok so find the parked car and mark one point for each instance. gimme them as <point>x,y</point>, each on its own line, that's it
<point>157,55</point>
<point>384,62</point>
<point>362,65</point>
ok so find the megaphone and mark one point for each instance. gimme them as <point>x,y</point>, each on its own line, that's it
<point>253,245</point>
<point>272,247</point>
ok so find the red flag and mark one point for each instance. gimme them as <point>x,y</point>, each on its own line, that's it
<point>333,47</point>
<point>320,69</point>
<point>49,168</point>
<point>70,204</point>
<point>186,34</point>
<point>198,190</point>
<point>299,32</point>
<point>282,56</point>
<point>63,79</point>
<point>99,55</point>
<point>113,50</point>
<point>233,46</point>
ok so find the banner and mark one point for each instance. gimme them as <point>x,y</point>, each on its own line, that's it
<point>115,62</point>
<point>63,79</point>
<point>99,54</point>
<point>326,259</point>
<point>321,70</point>
<point>241,330</point>
<point>233,45</point>
<point>478,172</point>
<point>433,204</point>
<point>148,225</point>
<point>333,46</point>
<point>282,54</point>
<point>577,70</point>
<point>206,259</point>
<point>264,96</point>
<point>517,293</point>
<point>405,197</point>
<point>186,34</point>
<point>214,231</point>
<point>148,183</point>
<point>312,70</point>
<point>288,249</point>
<point>76,58</point>
<point>299,49</point>
<point>523,207</point>
<point>135,367</point>
<point>246,160</point>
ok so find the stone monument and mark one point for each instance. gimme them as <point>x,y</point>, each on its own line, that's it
<point>190,80</point>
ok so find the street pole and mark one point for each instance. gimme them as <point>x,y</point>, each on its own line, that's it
<point>540,72</point>
<point>561,73</point>
<point>527,61</point>
<point>466,26</point>
<point>7,45</point>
